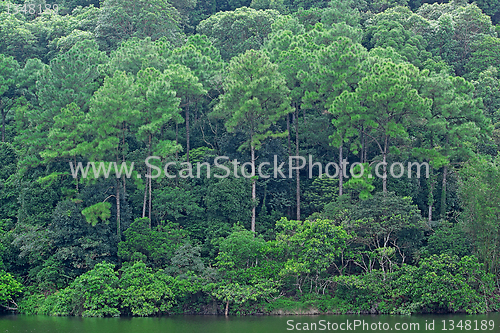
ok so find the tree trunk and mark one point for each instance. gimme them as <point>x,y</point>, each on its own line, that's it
<point>289,208</point>
<point>187,132</point>
<point>288,130</point>
<point>362,159</point>
<point>74,160</point>
<point>430,199</point>
<point>384,179</point>
<point>148,186</point>
<point>3,125</point>
<point>149,181</point>
<point>297,154</point>
<point>364,150</point>
<point>150,200</point>
<point>341,172</point>
<point>145,199</point>
<point>443,193</point>
<point>227,308</point>
<point>8,307</point>
<point>118,210</point>
<point>176,141</point>
<point>123,161</point>
<point>252,149</point>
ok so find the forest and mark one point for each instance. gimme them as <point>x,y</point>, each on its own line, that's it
<point>371,82</point>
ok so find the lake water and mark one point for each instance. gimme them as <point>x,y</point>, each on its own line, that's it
<point>251,324</point>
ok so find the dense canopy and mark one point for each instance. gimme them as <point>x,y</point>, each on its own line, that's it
<point>242,157</point>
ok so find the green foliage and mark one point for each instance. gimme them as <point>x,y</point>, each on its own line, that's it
<point>186,261</point>
<point>341,11</point>
<point>185,83</point>
<point>445,283</point>
<point>487,87</point>
<point>459,26</point>
<point>439,283</point>
<point>8,68</point>
<point>201,57</point>
<point>15,39</point>
<point>119,20</point>
<point>384,230</point>
<point>177,204</point>
<point>99,211</point>
<point>235,293</point>
<point>157,245</point>
<point>9,290</point>
<point>66,133</point>
<point>362,183</point>
<point>133,55</point>
<point>309,247</point>
<point>237,31</point>
<point>380,108</point>
<point>8,189</point>
<point>322,191</point>
<point>277,5</point>
<point>71,78</point>
<point>77,245</point>
<point>449,239</point>
<point>98,290</point>
<point>485,55</point>
<point>112,82</point>
<point>479,192</point>
<point>335,68</point>
<point>143,292</point>
<point>229,201</point>
<point>93,294</point>
<point>490,7</point>
<point>256,98</point>
<point>8,75</point>
<point>157,102</point>
<point>241,248</point>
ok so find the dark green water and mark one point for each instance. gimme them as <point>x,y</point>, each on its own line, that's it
<point>250,324</point>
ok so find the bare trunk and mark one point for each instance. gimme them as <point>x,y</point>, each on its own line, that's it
<point>253,190</point>
<point>384,179</point>
<point>298,194</point>
<point>187,132</point>
<point>8,307</point>
<point>123,161</point>
<point>3,126</point>
<point>150,204</point>
<point>362,147</point>
<point>227,308</point>
<point>289,208</point>
<point>297,154</point>
<point>149,181</point>
<point>176,140</point>
<point>341,172</point>
<point>430,197</point>
<point>118,210</point>
<point>145,199</point>
<point>74,160</point>
<point>443,193</point>
<point>288,130</point>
